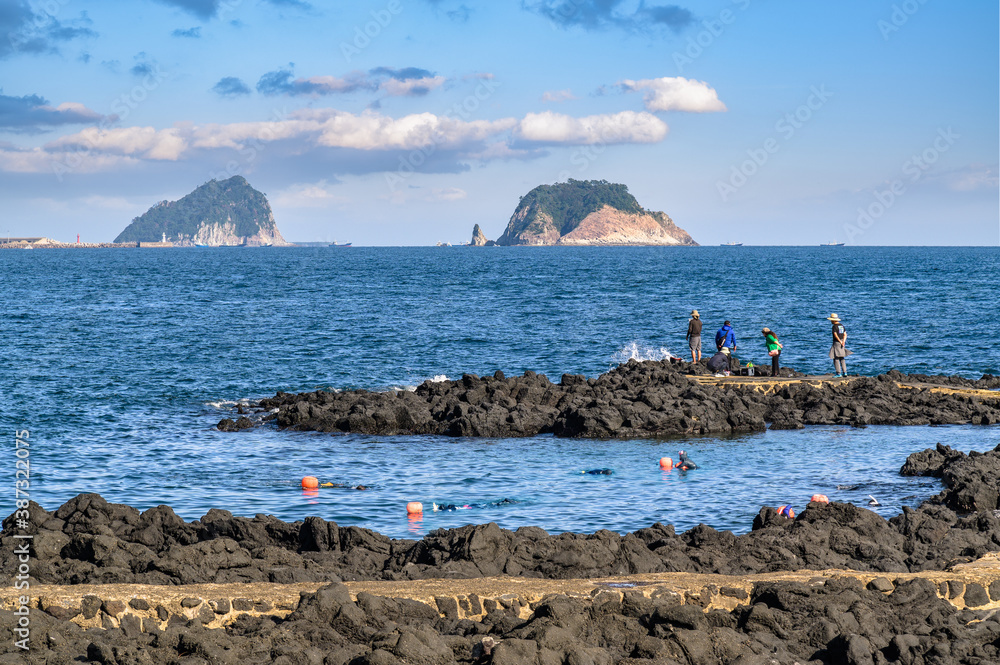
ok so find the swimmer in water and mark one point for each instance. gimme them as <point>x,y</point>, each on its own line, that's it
<point>684,463</point>
<point>600,472</point>
<point>470,506</point>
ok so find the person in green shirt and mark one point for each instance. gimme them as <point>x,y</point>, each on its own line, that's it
<point>773,349</point>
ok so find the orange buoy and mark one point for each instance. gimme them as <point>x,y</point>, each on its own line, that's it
<point>820,498</point>
<point>414,507</point>
<point>666,463</point>
<point>310,483</point>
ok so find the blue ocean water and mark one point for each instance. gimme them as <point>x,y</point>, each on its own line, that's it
<point>120,362</point>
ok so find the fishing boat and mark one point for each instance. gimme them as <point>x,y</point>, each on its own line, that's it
<point>336,244</point>
<point>831,244</point>
<point>198,244</point>
<point>731,244</point>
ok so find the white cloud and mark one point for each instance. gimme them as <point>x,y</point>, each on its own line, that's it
<point>372,131</point>
<point>623,127</point>
<point>40,160</point>
<point>558,96</point>
<point>307,195</point>
<point>144,142</point>
<point>308,130</point>
<point>447,194</point>
<point>407,87</point>
<point>676,94</point>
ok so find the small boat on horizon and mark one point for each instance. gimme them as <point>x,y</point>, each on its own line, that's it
<point>731,244</point>
<point>198,244</point>
<point>831,244</point>
<point>336,244</point>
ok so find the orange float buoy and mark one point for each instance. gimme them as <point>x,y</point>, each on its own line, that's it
<point>820,498</point>
<point>414,507</point>
<point>666,463</point>
<point>310,483</point>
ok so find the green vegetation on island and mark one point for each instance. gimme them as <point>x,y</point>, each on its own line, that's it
<point>568,203</point>
<point>232,208</point>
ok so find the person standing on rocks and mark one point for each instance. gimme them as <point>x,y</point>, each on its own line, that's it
<point>838,351</point>
<point>725,337</point>
<point>694,336</point>
<point>773,349</point>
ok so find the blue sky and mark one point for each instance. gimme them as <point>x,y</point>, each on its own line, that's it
<point>405,122</point>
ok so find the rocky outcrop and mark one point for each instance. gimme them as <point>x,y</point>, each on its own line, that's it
<point>608,226</point>
<point>635,400</point>
<point>226,212</point>
<point>588,213</point>
<point>822,621</point>
<point>479,238</point>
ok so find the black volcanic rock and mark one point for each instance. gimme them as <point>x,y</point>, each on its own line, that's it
<point>635,400</point>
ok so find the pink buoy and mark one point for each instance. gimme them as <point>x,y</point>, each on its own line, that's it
<point>414,507</point>
<point>666,463</point>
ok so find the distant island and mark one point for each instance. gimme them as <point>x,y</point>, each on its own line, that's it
<point>219,213</point>
<point>585,212</point>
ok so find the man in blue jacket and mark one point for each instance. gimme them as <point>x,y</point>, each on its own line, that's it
<point>725,337</point>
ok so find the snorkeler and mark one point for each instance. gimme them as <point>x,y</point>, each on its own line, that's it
<point>471,506</point>
<point>684,463</point>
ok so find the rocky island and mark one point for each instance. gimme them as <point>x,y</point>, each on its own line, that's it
<point>219,213</point>
<point>587,212</point>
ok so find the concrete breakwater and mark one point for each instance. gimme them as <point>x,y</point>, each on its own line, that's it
<point>635,400</point>
<point>837,584</point>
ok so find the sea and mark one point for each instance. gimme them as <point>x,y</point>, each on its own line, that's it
<point>120,362</point>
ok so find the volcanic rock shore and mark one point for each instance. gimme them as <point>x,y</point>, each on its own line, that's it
<point>88,540</point>
<point>635,400</point>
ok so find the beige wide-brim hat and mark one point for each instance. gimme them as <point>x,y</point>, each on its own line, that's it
<point>833,317</point>
<point>725,350</point>
<point>695,313</point>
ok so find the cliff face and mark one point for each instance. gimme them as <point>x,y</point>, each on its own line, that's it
<point>226,212</point>
<point>588,213</point>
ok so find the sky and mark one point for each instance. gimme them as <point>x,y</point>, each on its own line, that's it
<point>406,122</point>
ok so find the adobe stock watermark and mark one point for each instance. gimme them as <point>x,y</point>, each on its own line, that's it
<point>711,29</point>
<point>251,148</point>
<point>899,17</point>
<point>785,128</point>
<point>913,169</point>
<point>416,158</point>
<point>121,107</point>
<point>364,35</point>
<point>22,540</point>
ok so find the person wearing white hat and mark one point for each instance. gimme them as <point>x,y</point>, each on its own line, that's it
<point>694,336</point>
<point>838,351</point>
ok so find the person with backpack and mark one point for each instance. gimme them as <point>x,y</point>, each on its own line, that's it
<point>694,336</point>
<point>725,337</point>
<point>773,349</point>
